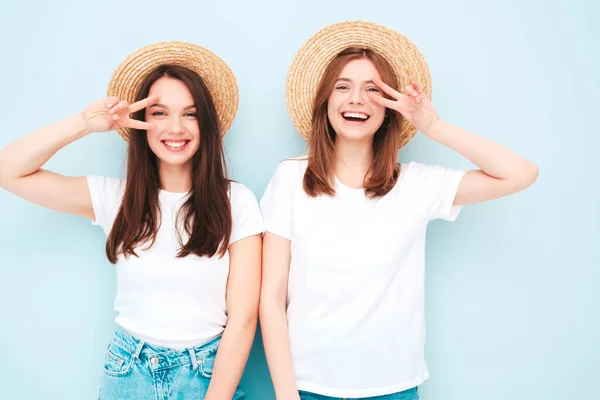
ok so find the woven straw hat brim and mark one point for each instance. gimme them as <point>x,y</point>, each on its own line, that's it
<point>128,76</point>
<point>313,58</point>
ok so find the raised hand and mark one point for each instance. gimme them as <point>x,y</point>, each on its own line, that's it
<point>109,113</point>
<point>414,106</point>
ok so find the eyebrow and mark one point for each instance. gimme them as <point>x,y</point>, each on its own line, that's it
<point>163,106</point>
<point>349,80</point>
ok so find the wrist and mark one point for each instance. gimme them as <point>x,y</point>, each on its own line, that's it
<point>81,126</point>
<point>435,130</point>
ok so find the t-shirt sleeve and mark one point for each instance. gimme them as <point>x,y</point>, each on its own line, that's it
<point>436,189</point>
<point>106,194</point>
<point>276,202</point>
<point>245,212</point>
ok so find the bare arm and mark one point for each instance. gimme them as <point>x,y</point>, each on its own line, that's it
<point>21,173</point>
<point>243,292</point>
<point>273,319</point>
<point>502,172</point>
<point>21,162</point>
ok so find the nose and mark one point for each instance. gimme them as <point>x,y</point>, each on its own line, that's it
<point>175,125</point>
<point>356,96</point>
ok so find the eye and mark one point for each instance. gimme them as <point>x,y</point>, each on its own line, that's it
<point>372,89</point>
<point>190,114</point>
<point>158,113</point>
<point>341,87</point>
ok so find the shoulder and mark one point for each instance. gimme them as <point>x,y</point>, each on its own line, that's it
<point>414,167</point>
<point>240,193</point>
<point>106,181</point>
<point>291,169</point>
<point>106,187</point>
<point>416,171</point>
<point>106,195</point>
<point>434,178</point>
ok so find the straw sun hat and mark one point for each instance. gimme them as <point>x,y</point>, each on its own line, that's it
<point>319,50</point>
<point>217,75</point>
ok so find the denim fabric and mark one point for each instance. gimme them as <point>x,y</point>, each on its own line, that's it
<point>410,394</point>
<point>137,370</point>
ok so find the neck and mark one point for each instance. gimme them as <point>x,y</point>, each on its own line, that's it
<point>353,160</point>
<point>175,178</point>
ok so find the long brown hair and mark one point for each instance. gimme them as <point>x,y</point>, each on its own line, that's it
<point>384,171</point>
<point>206,213</point>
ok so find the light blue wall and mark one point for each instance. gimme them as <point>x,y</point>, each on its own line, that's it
<point>512,298</point>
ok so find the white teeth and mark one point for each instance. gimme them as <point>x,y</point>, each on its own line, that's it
<point>175,144</point>
<point>355,115</point>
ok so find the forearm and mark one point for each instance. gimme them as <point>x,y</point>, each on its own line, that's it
<point>491,157</point>
<point>231,358</point>
<point>274,329</point>
<point>28,154</point>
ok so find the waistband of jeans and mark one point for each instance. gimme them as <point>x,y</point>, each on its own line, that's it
<point>144,350</point>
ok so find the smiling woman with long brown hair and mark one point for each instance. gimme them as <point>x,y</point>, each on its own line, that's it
<point>342,298</point>
<point>184,238</point>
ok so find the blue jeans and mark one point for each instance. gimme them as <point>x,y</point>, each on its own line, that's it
<point>137,370</point>
<point>410,394</point>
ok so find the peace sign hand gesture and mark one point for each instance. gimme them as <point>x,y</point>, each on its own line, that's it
<point>414,106</point>
<point>109,113</point>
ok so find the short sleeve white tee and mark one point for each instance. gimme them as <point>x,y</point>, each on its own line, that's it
<point>355,303</point>
<point>160,298</point>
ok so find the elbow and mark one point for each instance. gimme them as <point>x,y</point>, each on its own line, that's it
<point>271,306</point>
<point>530,174</point>
<point>526,176</point>
<point>245,322</point>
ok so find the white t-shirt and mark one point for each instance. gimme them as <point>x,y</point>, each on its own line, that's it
<point>355,305</point>
<point>165,300</point>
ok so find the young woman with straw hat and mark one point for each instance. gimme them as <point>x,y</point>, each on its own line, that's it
<point>342,298</point>
<point>184,238</point>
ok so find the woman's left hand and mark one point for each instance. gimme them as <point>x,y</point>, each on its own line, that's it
<point>414,106</point>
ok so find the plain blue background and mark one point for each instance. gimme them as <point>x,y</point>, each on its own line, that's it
<point>512,298</point>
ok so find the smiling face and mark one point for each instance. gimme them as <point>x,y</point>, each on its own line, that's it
<point>343,111</point>
<point>176,135</point>
<point>181,153</point>
<point>351,113</point>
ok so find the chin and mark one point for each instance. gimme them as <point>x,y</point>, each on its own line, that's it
<point>176,161</point>
<point>356,136</point>
<point>172,159</point>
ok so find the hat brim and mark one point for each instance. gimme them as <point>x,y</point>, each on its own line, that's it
<point>319,50</point>
<point>220,80</point>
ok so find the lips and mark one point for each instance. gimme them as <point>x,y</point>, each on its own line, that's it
<point>175,145</point>
<point>355,116</point>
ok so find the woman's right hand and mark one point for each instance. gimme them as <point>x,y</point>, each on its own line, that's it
<point>21,162</point>
<point>110,113</point>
